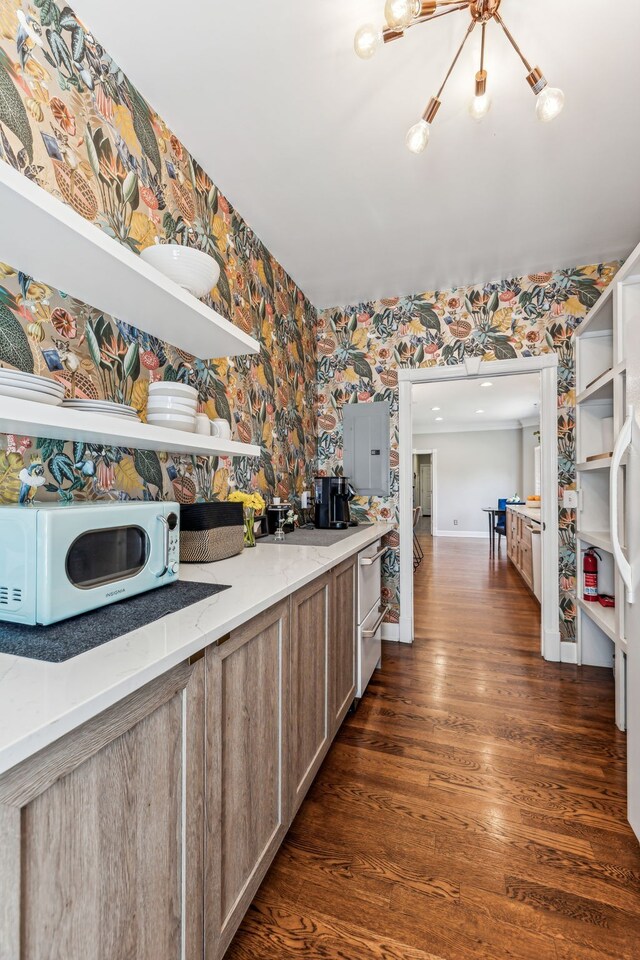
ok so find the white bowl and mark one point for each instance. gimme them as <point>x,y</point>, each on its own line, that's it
<point>179,391</point>
<point>191,269</point>
<point>168,405</point>
<point>173,421</point>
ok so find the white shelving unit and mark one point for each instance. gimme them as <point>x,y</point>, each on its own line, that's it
<point>47,239</point>
<point>29,419</point>
<point>600,405</point>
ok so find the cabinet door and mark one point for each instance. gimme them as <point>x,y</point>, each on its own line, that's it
<point>310,726</point>
<point>246,768</point>
<point>101,834</point>
<point>343,639</point>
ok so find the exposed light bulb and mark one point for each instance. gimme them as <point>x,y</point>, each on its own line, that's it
<point>418,136</point>
<point>439,418</point>
<point>480,106</point>
<point>367,40</point>
<point>479,411</point>
<point>435,408</point>
<point>399,13</point>
<point>487,383</point>
<point>549,103</point>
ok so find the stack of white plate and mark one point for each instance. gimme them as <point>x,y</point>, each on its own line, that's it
<point>28,386</point>
<point>107,408</point>
<point>172,405</point>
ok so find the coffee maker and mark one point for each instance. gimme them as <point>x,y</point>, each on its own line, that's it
<point>332,496</point>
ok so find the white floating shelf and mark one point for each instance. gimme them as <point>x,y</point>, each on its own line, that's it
<point>603,617</point>
<point>597,538</point>
<point>30,419</point>
<point>48,240</point>
<point>601,389</point>
<point>588,465</point>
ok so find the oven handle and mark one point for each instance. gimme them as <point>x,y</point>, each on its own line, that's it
<point>367,561</point>
<point>369,634</point>
<point>165,545</point>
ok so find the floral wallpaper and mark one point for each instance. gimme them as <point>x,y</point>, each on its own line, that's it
<point>72,122</point>
<point>361,348</point>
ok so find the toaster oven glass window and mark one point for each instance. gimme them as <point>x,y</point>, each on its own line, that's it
<point>106,556</point>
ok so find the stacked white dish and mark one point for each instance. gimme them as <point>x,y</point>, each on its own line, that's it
<point>172,405</point>
<point>106,408</point>
<point>29,386</point>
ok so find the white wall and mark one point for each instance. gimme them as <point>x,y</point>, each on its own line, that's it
<point>529,443</point>
<point>472,470</point>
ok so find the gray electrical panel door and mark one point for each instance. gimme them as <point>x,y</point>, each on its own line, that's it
<point>366,447</point>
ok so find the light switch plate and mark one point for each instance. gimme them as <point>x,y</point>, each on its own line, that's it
<point>570,499</point>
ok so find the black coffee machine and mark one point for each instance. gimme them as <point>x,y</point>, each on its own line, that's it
<point>332,496</point>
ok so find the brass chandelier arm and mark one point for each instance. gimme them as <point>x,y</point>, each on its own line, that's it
<point>451,6</point>
<point>512,41</point>
<point>455,59</point>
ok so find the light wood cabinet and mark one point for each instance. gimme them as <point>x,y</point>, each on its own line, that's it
<point>247,801</point>
<point>344,600</point>
<point>145,834</point>
<point>310,725</point>
<point>519,546</point>
<point>101,834</point>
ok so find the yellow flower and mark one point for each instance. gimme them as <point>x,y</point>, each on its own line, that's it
<point>250,501</point>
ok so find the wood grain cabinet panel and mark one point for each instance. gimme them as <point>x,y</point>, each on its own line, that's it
<point>519,546</point>
<point>310,727</point>
<point>344,601</point>
<point>104,834</point>
<point>247,809</point>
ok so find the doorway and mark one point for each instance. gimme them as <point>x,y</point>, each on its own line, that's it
<point>424,494</point>
<point>473,369</point>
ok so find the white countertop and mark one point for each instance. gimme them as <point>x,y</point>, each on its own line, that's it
<point>529,512</point>
<point>40,702</point>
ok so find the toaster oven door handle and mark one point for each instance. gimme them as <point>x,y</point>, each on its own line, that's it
<point>165,545</point>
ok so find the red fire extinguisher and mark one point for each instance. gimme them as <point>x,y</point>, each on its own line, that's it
<point>590,572</point>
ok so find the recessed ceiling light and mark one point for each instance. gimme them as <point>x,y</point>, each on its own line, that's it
<point>439,418</point>
<point>435,408</point>
<point>479,411</point>
<point>487,383</point>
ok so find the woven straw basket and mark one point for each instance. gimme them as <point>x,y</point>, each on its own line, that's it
<point>210,531</point>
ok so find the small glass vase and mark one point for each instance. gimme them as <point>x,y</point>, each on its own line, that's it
<point>249,531</point>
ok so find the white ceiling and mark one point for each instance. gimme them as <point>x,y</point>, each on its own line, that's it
<point>308,141</point>
<point>505,404</point>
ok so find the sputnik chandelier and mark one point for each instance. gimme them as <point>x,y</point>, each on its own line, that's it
<point>403,14</point>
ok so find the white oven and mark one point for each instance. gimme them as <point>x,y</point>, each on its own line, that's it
<point>370,614</point>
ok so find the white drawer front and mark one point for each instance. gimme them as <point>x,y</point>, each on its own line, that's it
<point>369,581</point>
<point>369,650</point>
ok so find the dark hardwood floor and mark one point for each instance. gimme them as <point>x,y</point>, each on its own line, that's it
<point>472,807</point>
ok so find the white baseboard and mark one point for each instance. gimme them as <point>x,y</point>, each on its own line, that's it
<point>473,534</point>
<point>568,651</point>
<point>390,631</point>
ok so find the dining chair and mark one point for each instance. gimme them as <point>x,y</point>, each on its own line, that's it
<point>501,520</point>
